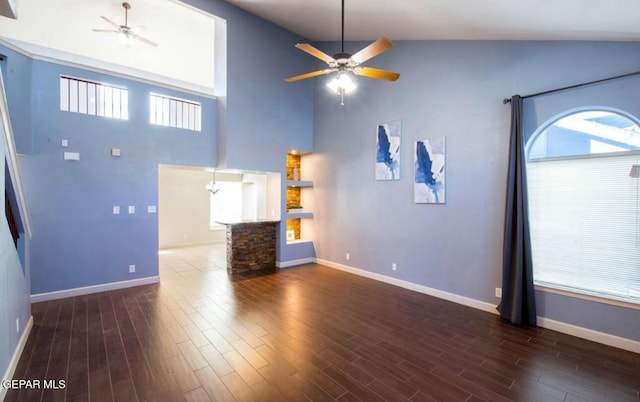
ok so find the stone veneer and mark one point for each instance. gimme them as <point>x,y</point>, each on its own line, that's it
<point>294,224</point>
<point>293,161</point>
<point>251,246</point>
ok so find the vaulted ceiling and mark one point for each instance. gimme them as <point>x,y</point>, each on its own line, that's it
<point>319,20</point>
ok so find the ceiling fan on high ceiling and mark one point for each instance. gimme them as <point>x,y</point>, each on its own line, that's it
<point>346,64</point>
<point>126,33</point>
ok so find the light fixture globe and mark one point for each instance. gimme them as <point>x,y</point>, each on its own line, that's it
<point>342,84</point>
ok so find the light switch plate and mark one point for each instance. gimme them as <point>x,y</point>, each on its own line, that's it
<point>132,209</point>
<point>116,209</point>
<point>152,209</point>
<point>115,151</point>
<point>64,143</point>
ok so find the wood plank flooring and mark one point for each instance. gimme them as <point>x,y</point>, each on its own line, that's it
<point>307,333</point>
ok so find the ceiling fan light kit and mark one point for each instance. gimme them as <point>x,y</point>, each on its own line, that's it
<point>125,33</point>
<point>346,64</point>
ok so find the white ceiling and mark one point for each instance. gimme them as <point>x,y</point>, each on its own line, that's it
<point>319,20</point>
<point>62,29</point>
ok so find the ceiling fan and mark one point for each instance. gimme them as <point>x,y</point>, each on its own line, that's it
<point>346,63</point>
<point>126,32</point>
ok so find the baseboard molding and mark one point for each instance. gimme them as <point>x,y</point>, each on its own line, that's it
<point>465,301</point>
<point>16,356</point>
<point>61,294</point>
<point>589,334</point>
<point>569,329</point>
<point>293,263</point>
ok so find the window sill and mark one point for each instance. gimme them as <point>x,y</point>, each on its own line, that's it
<point>586,295</point>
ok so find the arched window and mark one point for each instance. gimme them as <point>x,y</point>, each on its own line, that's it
<point>583,175</point>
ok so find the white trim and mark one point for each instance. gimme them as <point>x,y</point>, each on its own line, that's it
<point>12,161</point>
<point>569,329</point>
<point>586,295</point>
<point>465,301</point>
<point>61,294</point>
<point>589,334</point>
<point>293,263</point>
<point>13,363</point>
<point>36,52</point>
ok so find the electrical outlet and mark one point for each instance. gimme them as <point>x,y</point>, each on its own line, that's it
<point>132,269</point>
<point>498,292</point>
<point>394,266</point>
<point>348,256</point>
<point>18,325</point>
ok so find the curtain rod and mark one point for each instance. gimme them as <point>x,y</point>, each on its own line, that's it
<point>584,84</point>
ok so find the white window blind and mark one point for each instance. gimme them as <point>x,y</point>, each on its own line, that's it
<point>174,112</point>
<point>585,223</point>
<point>93,98</point>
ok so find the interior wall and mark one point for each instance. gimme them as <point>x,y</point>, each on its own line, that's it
<point>78,241</point>
<point>453,89</point>
<point>265,115</point>
<point>184,208</point>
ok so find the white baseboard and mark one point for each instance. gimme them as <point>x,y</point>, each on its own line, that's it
<point>589,334</point>
<point>569,329</point>
<point>465,301</point>
<point>61,294</point>
<point>293,263</point>
<point>16,356</point>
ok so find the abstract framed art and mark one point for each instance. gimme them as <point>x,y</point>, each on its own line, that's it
<point>429,176</point>
<point>388,150</point>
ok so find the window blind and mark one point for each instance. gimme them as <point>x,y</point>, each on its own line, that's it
<point>584,215</point>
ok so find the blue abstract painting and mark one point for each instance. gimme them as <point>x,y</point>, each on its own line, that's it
<point>388,151</point>
<point>429,161</point>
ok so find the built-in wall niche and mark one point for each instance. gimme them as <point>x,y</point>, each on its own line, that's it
<point>299,200</point>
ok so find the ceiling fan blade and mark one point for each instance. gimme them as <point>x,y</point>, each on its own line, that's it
<point>372,50</point>
<point>106,30</point>
<point>305,47</point>
<point>376,73</point>
<point>109,21</point>
<point>142,39</point>
<point>308,75</point>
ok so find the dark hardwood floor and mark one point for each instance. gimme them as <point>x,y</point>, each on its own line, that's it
<point>308,333</point>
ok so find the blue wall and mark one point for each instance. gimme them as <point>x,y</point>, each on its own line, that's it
<point>265,115</point>
<point>77,240</point>
<point>17,81</point>
<point>453,89</point>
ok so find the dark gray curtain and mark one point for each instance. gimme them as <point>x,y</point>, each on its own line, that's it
<point>518,303</point>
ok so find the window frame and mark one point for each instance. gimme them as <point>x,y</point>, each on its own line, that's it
<point>566,290</point>
<point>98,109</point>
<point>172,113</point>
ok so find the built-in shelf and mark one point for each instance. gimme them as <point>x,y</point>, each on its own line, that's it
<point>299,215</point>
<point>299,225</point>
<point>299,241</point>
<point>299,183</point>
